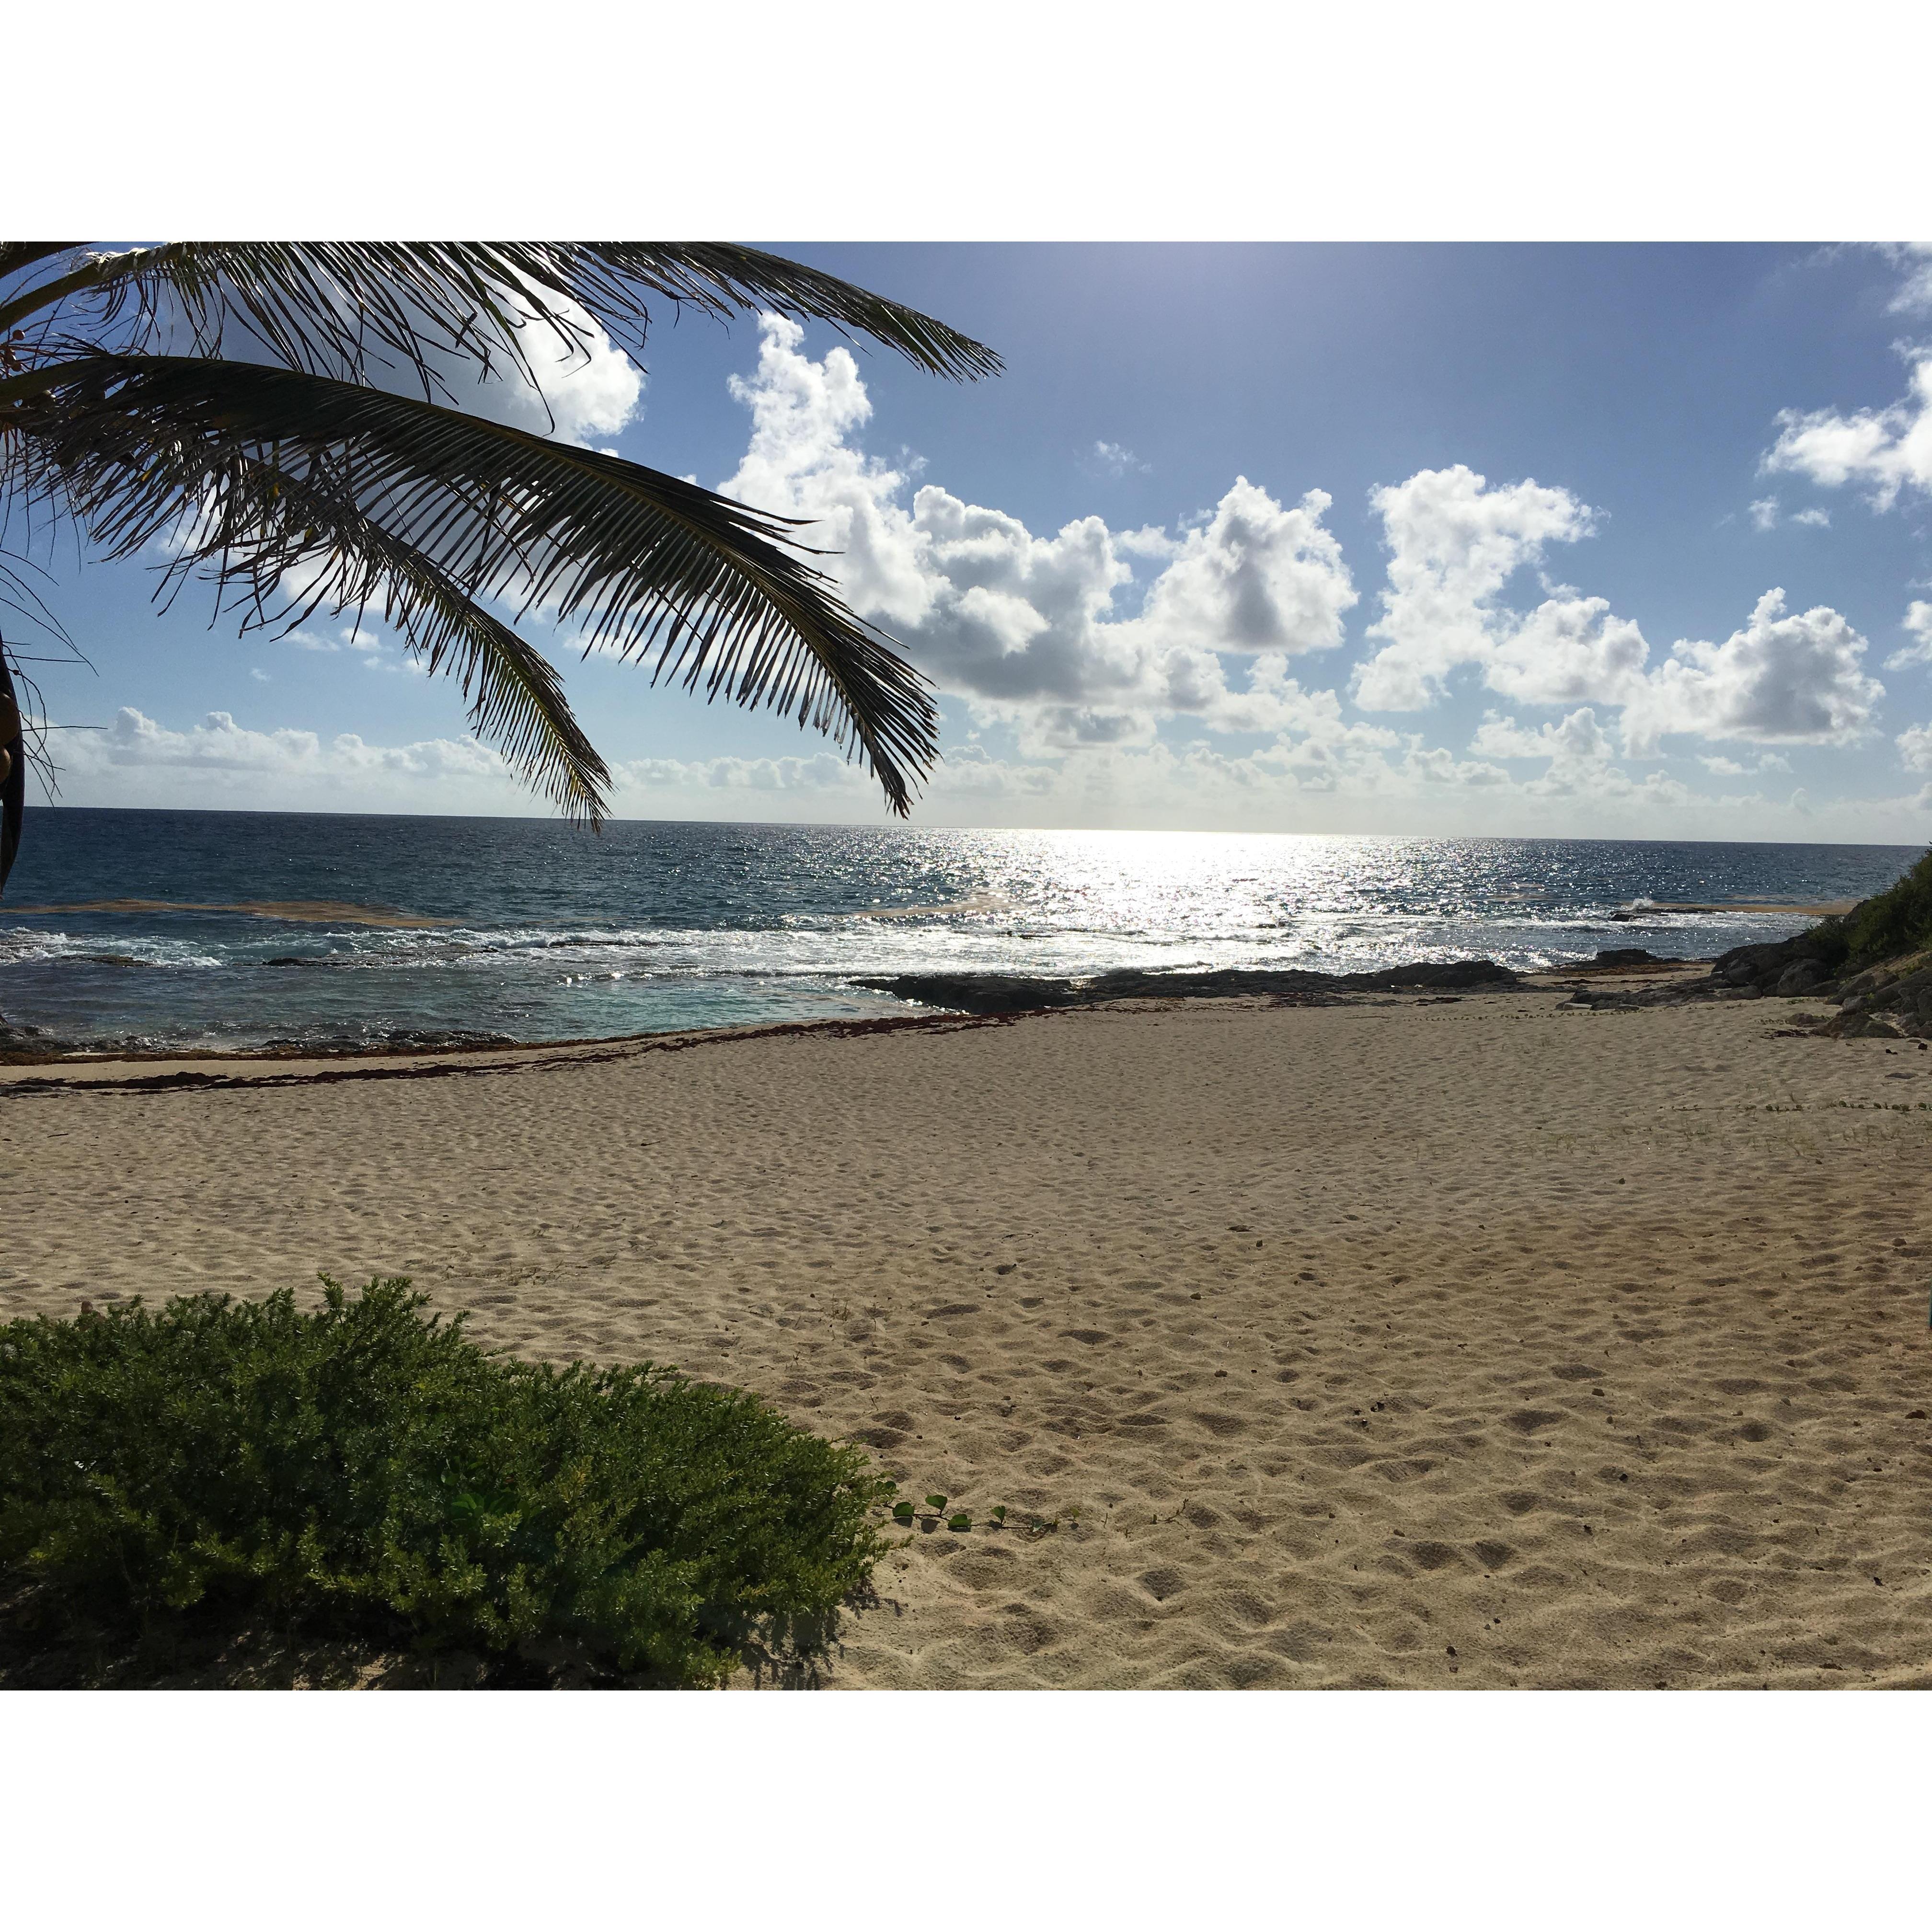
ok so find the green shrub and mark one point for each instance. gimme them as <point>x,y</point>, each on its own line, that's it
<point>1897,920</point>
<point>366,1468</point>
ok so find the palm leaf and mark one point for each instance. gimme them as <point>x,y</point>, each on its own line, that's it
<point>518,704</point>
<point>335,307</point>
<point>275,465</point>
<point>720,278</point>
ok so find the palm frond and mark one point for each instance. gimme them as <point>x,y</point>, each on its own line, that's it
<point>720,277</point>
<point>337,307</point>
<point>351,563</point>
<point>272,466</point>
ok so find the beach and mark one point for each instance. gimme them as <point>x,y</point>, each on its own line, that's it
<point>1484,1342</point>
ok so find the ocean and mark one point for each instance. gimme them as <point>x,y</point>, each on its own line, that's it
<point>231,930</point>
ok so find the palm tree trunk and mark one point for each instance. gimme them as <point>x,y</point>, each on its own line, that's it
<point>13,778</point>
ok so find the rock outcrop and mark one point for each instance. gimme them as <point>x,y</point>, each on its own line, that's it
<point>1888,999</point>
<point>1014,992</point>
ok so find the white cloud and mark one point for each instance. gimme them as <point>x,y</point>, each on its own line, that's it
<point>1887,450</point>
<point>1150,541</point>
<point>1025,626</point>
<point>1568,648</point>
<point>822,772</point>
<point>1729,768</point>
<point>373,653</point>
<point>1784,679</point>
<point>347,638</point>
<point>137,760</point>
<point>1914,748</point>
<point>1439,766</point>
<point>1254,577</point>
<point>1030,629</point>
<point>1918,625</point>
<point>1766,511</point>
<point>574,397</point>
<point>1454,544</point>
<point>1578,740</point>
<point>1580,758</point>
<point>1913,295</point>
<point>1116,460</point>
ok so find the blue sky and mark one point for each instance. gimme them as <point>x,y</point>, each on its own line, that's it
<point>1502,560</point>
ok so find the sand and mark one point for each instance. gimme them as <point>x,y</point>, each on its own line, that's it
<point>1484,1342</point>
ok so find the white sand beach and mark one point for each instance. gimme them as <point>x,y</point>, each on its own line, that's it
<point>1485,1341</point>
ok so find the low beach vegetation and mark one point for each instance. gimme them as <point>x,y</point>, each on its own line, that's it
<point>1897,920</point>
<point>365,1473</point>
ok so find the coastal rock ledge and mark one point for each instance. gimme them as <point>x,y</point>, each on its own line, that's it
<point>1888,999</point>
<point>987,993</point>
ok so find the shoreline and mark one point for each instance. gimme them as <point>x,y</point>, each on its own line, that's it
<point>1341,987</point>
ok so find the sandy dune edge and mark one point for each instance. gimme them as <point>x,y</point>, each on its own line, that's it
<point>1479,1341</point>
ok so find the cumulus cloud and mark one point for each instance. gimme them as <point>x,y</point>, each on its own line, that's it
<point>1577,739</point>
<point>1025,626</point>
<point>1039,634</point>
<point>1816,519</point>
<point>1918,626</point>
<point>820,772</point>
<point>1454,544</point>
<point>1914,748</point>
<point>1579,754</point>
<point>573,396</point>
<point>1440,767</point>
<point>136,759</point>
<point>1729,768</point>
<point>1150,541</point>
<point>1888,450</point>
<point>1913,295</point>
<point>1581,765</point>
<point>970,772</point>
<point>1784,679</point>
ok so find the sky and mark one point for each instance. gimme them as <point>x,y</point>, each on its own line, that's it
<point>1593,540</point>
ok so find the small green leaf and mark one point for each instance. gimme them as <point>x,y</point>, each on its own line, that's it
<point>935,1502</point>
<point>959,1519</point>
<point>1000,1514</point>
<point>902,1511</point>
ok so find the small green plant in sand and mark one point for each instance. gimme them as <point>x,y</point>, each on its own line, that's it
<point>939,1509</point>
<point>365,1471</point>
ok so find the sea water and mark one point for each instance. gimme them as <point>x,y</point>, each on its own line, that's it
<point>531,929</point>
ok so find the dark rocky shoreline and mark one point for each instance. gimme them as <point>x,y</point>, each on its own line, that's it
<point>1015,993</point>
<point>1890,1000</point>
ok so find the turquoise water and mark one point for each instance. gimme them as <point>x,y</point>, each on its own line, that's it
<point>546,932</point>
